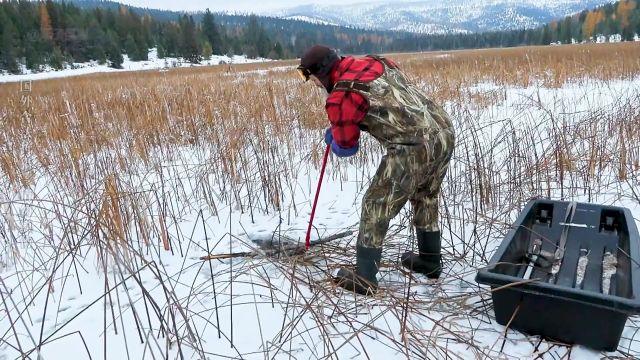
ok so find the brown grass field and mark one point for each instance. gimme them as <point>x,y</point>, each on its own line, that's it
<point>131,112</point>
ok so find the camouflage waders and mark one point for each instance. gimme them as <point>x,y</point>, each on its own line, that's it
<point>419,139</point>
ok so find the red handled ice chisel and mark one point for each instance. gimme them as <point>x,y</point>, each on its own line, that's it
<point>315,202</point>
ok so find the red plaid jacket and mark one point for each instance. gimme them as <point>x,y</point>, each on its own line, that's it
<point>346,109</point>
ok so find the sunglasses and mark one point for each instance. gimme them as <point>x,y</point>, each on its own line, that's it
<point>304,73</point>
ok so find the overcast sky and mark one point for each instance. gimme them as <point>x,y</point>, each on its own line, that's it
<point>234,5</point>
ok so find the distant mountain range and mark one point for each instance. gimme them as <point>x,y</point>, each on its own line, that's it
<point>437,16</point>
<point>422,16</point>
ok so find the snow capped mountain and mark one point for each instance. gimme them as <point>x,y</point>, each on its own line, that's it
<point>308,19</point>
<point>437,16</point>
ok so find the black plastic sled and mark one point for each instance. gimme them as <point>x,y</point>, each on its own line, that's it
<point>569,272</point>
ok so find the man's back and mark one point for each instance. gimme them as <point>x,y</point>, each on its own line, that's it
<point>374,95</point>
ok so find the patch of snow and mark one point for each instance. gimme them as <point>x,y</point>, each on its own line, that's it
<point>265,71</point>
<point>615,38</point>
<point>152,63</point>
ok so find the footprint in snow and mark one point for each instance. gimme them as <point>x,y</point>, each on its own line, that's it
<point>62,322</point>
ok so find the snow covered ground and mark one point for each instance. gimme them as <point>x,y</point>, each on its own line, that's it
<point>64,294</point>
<point>94,67</point>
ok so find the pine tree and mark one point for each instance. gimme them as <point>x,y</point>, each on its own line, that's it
<point>172,39</point>
<point>113,52</point>
<point>146,37</point>
<point>207,51</point>
<point>190,50</point>
<point>546,35</point>
<point>228,44</point>
<point>8,61</point>
<point>57,60</point>
<point>278,50</point>
<point>565,31</point>
<point>130,47</point>
<point>611,25</point>
<point>211,32</point>
<point>256,40</point>
<point>236,47</point>
<point>576,28</point>
<point>264,44</point>
<point>143,49</point>
<point>162,53</point>
<point>2,22</point>
<point>32,57</point>
<point>96,42</point>
<point>634,22</point>
<point>625,12</point>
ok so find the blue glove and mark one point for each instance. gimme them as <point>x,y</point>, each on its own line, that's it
<point>342,152</point>
<point>339,151</point>
<point>328,137</point>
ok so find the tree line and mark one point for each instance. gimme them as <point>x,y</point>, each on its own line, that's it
<point>38,33</point>
<point>619,18</point>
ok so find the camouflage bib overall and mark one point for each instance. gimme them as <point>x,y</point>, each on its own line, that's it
<point>419,138</point>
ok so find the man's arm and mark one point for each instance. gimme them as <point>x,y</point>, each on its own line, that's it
<point>345,110</point>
